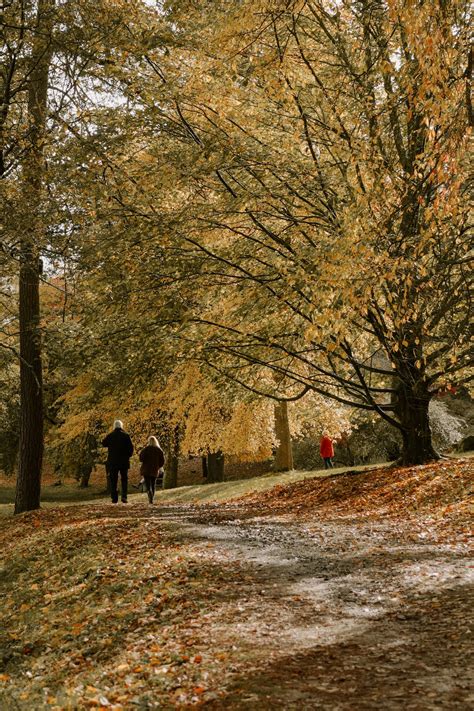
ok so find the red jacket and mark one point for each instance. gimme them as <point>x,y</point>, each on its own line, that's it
<point>325,447</point>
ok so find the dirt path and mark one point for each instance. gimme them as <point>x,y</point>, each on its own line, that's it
<point>337,614</point>
<point>229,606</point>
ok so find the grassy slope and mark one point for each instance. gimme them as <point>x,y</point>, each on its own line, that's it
<point>233,489</point>
<point>66,494</point>
<point>70,493</point>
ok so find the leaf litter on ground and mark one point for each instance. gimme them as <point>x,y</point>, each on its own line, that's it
<point>109,607</point>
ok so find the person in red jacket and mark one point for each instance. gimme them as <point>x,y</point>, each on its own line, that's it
<point>326,449</point>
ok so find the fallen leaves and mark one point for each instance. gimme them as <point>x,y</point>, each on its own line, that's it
<point>96,616</point>
<point>439,493</point>
<point>110,617</point>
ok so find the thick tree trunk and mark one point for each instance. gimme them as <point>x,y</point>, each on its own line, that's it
<point>204,467</point>
<point>215,467</point>
<point>31,390</point>
<point>170,480</point>
<point>284,453</point>
<point>412,411</point>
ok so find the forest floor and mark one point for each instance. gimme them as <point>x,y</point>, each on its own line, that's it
<point>349,592</point>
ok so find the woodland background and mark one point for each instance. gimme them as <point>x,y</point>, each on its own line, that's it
<point>232,224</point>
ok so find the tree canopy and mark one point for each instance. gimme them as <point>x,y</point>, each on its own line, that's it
<point>265,199</point>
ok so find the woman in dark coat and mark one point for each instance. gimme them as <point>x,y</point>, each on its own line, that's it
<point>152,459</point>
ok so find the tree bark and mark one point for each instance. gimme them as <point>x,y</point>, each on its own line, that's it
<point>215,467</point>
<point>284,452</point>
<point>31,392</point>
<point>412,405</point>
<point>170,480</point>
<point>31,388</point>
<point>204,467</point>
<point>85,477</point>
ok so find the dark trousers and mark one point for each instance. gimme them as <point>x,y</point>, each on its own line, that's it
<point>114,474</point>
<point>328,463</point>
<point>150,484</point>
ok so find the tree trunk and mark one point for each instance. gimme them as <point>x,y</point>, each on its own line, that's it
<point>215,467</point>
<point>204,467</point>
<point>170,480</point>
<point>284,453</point>
<point>85,477</point>
<point>350,455</point>
<point>28,484</point>
<point>31,389</point>
<point>412,411</point>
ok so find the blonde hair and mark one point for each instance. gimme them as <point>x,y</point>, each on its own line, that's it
<point>325,433</point>
<point>153,442</point>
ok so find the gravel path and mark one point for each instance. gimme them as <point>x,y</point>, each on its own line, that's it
<point>341,614</point>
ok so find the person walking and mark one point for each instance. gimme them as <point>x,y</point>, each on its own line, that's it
<point>152,459</point>
<point>326,449</point>
<point>120,449</point>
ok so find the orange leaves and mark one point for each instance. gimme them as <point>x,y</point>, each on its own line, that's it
<point>380,492</point>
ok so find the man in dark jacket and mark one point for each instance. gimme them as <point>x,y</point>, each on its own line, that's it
<point>120,449</point>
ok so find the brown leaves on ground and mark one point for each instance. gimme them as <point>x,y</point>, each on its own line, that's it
<point>103,608</point>
<point>119,607</point>
<point>441,490</point>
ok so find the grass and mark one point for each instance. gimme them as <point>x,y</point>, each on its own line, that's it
<point>117,607</point>
<point>203,493</point>
<point>104,607</point>
<point>69,494</point>
<point>233,489</point>
<point>65,495</point>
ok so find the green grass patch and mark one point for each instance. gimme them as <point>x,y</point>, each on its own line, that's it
<point>66,494</point>
<point>226,490</point>
<point>69,493</point>
<point>104,607</point>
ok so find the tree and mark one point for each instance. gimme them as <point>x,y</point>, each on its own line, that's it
<point>333,206</point>
<point>289,209</point>
<point>56,60</point>
<point>31,380</point>
<point>284,452</point>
